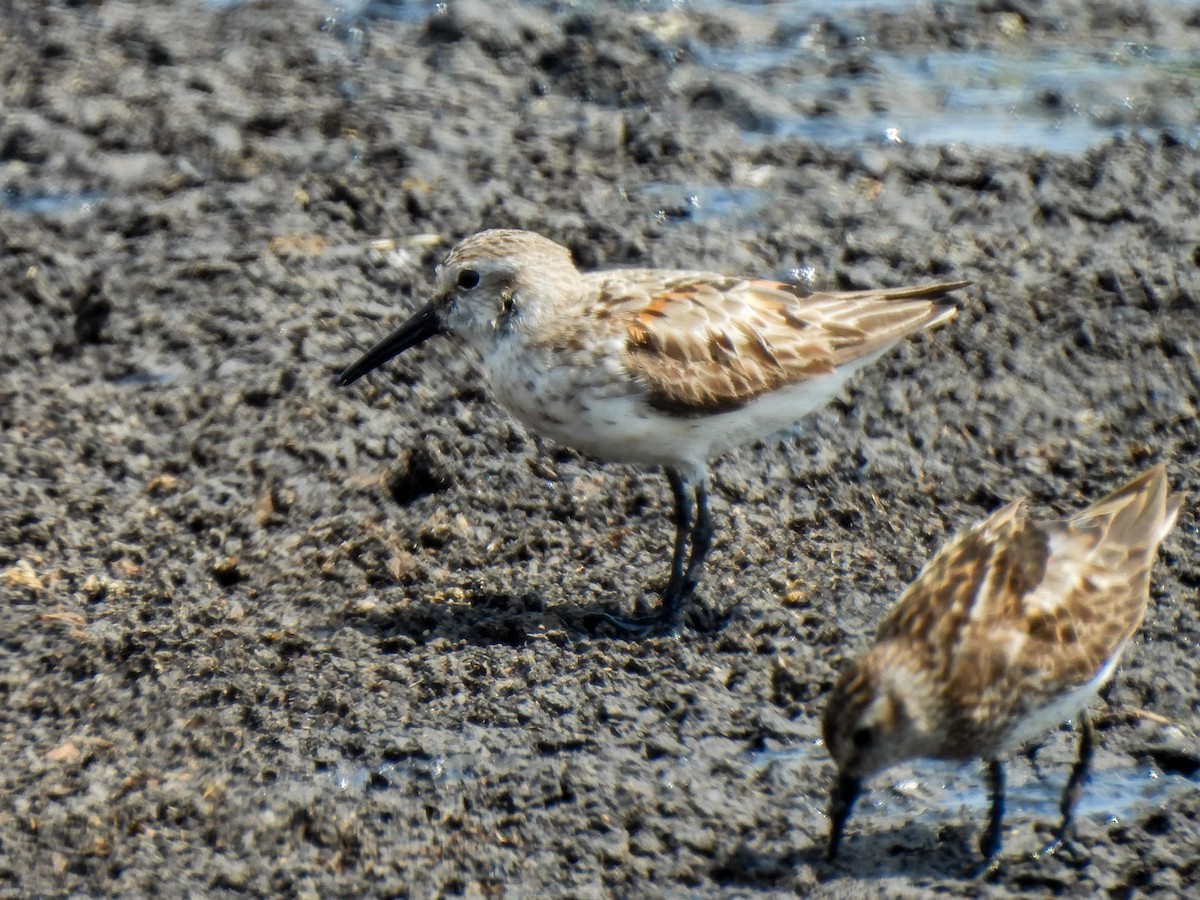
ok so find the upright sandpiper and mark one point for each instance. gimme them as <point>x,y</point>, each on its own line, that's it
<point>651,366</point>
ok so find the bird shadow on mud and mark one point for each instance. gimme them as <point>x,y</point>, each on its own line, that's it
<point>483,618</point>
<point>915,850</point>
<point>488,618</point>
<point>928,856</point>
<point>923,854</point>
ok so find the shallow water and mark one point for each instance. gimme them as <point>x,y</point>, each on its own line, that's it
<point>1060,101</point>
<point>1051,99</point>
<point>703,202</point>
<point>937,791</point>
<point>48,204</point>
<point>928,790</point>
<point>1021,95</point>
<point>394,775</point>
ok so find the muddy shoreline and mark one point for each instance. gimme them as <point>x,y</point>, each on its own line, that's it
<point>261,634</point>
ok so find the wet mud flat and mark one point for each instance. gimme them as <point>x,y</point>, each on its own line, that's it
<point>264,635</point>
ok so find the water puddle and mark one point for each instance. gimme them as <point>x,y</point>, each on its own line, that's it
<point>48,204</point>
<point>945,790</point>
<point>703,202</point>
<point>1019,95</point>
<point>436,771</point>
<point>1110,794</point>
<point>1058,101</point>
<point>142,379</point>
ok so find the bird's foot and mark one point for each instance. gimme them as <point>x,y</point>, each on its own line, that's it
<point>633,628</point>
<point>987,870</point>
<point>1062,846</point>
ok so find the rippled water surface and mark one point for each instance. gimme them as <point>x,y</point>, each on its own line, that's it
<point>1020,95</point>
<point>939,791</point>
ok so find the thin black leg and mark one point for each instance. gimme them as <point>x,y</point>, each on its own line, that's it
<point>702,537</point>
<point>1079,773</point>
<point>1074,787</point>
<point>685,518</point>
<point>989,843</point>
<point>1031,753</point>
<point>841,803</point>
<point>691,524</point>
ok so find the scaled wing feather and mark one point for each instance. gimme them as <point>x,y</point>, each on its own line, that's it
<point>703,343</point>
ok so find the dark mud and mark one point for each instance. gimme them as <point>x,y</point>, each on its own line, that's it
<point>263,635</point>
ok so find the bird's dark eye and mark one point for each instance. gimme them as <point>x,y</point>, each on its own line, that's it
<point>467,279</point>
<point>861,737</point>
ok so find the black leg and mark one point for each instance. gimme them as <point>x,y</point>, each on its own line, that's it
<point>681,569</point>
<point>989,843</point>
<point>702,537</point>
<point>684,571</point>
<point>841,803</point>
<point>1074,787</point>
<point>1079,773</point>
<point>1031,754</point>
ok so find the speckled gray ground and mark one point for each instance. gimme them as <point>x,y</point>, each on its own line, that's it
<point>263,635</point>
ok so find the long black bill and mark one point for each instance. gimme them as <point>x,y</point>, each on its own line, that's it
<point>841,802</point>
<point>423,325</point>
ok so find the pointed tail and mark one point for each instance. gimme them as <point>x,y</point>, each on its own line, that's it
<point>1133,519</point>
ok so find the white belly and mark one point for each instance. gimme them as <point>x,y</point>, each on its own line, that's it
<point>600,411</point>
<point>1068,706</point>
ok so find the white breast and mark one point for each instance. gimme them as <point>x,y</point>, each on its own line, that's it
<point>599,410</point>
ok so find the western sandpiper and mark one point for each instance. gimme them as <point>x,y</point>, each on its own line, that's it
<point>1008,631</point>
<point>651,366</point>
